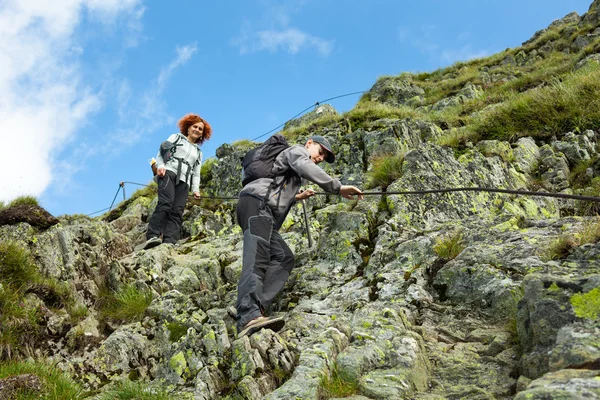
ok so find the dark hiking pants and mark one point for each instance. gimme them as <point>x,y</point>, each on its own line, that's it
<point>267,260</point>
<point>168,215</point>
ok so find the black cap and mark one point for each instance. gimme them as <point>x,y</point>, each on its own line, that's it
<point>329,156</point>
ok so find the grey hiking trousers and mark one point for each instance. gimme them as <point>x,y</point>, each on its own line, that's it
<point>267,260</point>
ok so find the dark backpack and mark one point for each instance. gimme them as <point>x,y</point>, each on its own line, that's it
<point>258,162</point>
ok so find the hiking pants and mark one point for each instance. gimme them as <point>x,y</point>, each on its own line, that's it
<point>168,215</point>
<point>267,260</point>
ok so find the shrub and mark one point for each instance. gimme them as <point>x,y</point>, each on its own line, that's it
<point>24,201</point>
<point>127,390</point>
<point>450,246</point>
<point>385,170</point>
<point>55,385</point>
<point>127,304</point>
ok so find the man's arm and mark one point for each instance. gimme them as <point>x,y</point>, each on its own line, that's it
<point>299,160</point>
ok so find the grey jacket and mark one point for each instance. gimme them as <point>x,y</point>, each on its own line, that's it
<point>290,166</point>
<point>189,152</point>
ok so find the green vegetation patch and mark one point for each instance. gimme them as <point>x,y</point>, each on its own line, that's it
<point>560,248</point>
<point>567,105</point>
<point>24,201</point>
<point>335,385</point>
<point>386,169</point>
<point>21,313</point>
<point>126,304</point>
<point>46,382</point>
<point>587,305</point>
<point>450,246</point>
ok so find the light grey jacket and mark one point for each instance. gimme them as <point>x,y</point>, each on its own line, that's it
<point>190,152</point>
<point>285,185</point>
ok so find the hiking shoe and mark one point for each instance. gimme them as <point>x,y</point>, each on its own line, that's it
<point>152,242</point>
<point>232,312</point>
<point>274,324</point>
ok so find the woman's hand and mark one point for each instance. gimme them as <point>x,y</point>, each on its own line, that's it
<point>196,195</point>
<point>161,171</point>
<point>305,194</point>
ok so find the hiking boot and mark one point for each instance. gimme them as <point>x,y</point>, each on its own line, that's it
<point>232,312</point>
<point>152,242</point>
<point>274,324</point>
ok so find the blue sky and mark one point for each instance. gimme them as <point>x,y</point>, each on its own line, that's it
<point>89,88</point>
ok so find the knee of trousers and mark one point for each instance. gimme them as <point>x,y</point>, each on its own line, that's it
<point>288,261</point>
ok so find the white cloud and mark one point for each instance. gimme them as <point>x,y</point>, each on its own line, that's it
<point>290,40</point>
<point>43,99</point>
<point>425,43</point>
<point>275,33</point>
<point>465,53</point>
<point>184,54</point>
<point>141,115</point>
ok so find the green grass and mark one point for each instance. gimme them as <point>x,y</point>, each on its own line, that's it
<point>176,331</point>
<point>295,133</point>
<point>56,385</point>
<point>560,248</point>
<point>578,176</point>
<point>335,385</point>
<point>206,170</point>
<point>127,304</point>
<point>20,327</point>
<point>2,205</point>
<point>24,201</point>
<point>588,207</point>
<point>563,106</point>
<point>590,232</point>
<point>16,266</point>
<point>127,390</point>
<point>148,191</point>
<point>450,245</point>
<point>367,112</point>
<point>385,170</point>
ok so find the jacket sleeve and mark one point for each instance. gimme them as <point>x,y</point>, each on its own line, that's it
<point>196,174</point>
<point>160,163</point>
<point>298,159</point>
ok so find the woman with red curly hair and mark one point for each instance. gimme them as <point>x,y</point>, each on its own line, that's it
<point>177,170</point>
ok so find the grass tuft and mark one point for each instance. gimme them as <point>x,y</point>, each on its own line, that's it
<point>386,169</point>
<point>56,385</point>
<point>590,232</point>
<point>565,105</point>
<point>335,385</point>
<point>450,245</point>
<point>24,201</point>
<point>560,248</point>
<point>127,304</point>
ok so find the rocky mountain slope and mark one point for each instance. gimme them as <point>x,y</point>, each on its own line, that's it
<point>465,295</point>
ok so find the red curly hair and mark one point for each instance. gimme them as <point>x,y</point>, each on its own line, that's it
<point>191,119</point>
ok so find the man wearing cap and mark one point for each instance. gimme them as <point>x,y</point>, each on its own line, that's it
<point>263,205</point>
